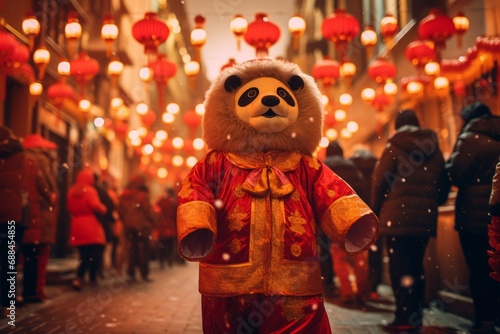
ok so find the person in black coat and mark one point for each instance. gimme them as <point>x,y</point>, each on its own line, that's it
<point>366,162</point>
<point>471,168</point>
<point>343,264</point>
<point>409,183</point>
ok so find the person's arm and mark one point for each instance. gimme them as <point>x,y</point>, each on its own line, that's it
<point>383,178</point>
<point>460,164</point>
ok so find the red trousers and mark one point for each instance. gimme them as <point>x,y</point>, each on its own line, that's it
<point>352,272</point>
<point>264,314</point>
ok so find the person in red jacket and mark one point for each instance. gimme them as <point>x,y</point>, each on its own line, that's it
<point>86,232</point>
<point>40,197</point>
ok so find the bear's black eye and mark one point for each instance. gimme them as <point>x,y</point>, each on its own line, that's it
<point>248,96</point>
<point>285,96</point>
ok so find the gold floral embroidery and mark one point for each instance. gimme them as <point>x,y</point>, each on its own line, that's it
<point>331,192</point>
<point>293,308</point>
<point>296,196</point>
<point>238,192</point>
<point>213,158</point>
<point>235,218</point>
<point>235,246</point>
<point>186,189</point>
<point>297,221</point>
<point>296,250</point>
<point>313,162</point>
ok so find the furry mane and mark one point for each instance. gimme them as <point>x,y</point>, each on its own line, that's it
<point>223,130</point>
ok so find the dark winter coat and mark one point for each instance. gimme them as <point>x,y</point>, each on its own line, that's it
<point>38,193</point>
<point>366,162</point>
<point>134,208</point>
<point>495,193</point>
<point>471,167</point>
<point>14,174</point>
<point>409,182</point>
<point>348,171</point>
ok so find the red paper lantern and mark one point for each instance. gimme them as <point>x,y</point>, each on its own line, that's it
<point>58,93</point>
<point>453,69</point>
<point>229,63</point>
<point>121,128</point>
<point>20,54</point>
<point>24,71</point>
<point>419,53</point>
<point>389,26</point>
<point>262,34</point>
<point>151,31</point>
<point>380,70</point>
<point>340,28</point>
<point>380,102</point>
<point>163,70</point>
<point>191,119</point>
<point>326,70</point>
<point>7,45</point>
<point>83,69</point>
<point>149,118</point>
<point>436,27</point>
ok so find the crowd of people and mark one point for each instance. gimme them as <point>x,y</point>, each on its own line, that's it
<point>109,231</point>
<point>404,187</point>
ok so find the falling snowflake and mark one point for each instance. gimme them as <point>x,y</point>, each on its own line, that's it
<point>228,137</point>
<point>403,179</point>
<point>391,250</point>
<point>389,223</point>
<point>219,204</point>
<point>226,256</point>
<point>314,306</point>
<point>407,281</point>
<point>293,135</point>
<point>373,248</point>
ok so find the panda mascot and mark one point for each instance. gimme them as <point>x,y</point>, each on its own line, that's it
<point>249,211</point>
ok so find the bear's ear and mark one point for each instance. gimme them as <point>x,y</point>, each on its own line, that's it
<point>232,83</point>
<point>296,82</point>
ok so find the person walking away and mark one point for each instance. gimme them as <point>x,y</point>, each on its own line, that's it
<point>366,161</point>
<point>409,183</point>
<point>14,216</point>
<point>167,227</point>
<point>136,213</point>
<point>41,196</point>
<point>494,226</point>
<point>86,231</point>
<point>107,221</point>
<point>471,167</point>
<point>345,265</point>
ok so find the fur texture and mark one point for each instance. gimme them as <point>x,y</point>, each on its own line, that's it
<point>224,131</point>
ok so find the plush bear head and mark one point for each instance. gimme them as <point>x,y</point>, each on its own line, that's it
<point>263,105</point>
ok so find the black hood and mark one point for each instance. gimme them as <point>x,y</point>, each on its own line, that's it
<point>416,140</point>
<point>487,126</point>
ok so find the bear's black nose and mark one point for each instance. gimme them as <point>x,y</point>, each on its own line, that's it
<point>270,100</point>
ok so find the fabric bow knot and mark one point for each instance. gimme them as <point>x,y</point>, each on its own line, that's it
<point>268,178</point>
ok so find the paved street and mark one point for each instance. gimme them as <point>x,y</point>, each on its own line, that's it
<point>171,304</point>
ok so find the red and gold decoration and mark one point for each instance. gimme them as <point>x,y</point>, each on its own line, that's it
<point>238,26</point>
<point>340,28</point>
<point>83,69</point>
<point>31,28</point>
<point>151,31</point>
<point>72,32</point>
<point>198,36</point>
<point>389,29</point>
<point>109,33</point>
<point>296,26</point>
<point>461,23</point>
<point>262,34</point>
<point>163,69</point>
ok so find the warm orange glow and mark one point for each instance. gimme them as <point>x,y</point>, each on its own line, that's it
<point>198,144</point>
<point>36,88</point>
<point>432,68</point>
<point>368,37</point>
<point>352,126</point>
<point>331,134</point>
<point>116,102</point>
<point>461,23</point>
<point>41,56</point>
<point>200,109</point>
<point>31,26</point>
<point>173,108</point>
<point>340,115</point>
<point>345,99</point>
<point>161,135</point>
<point>142,108</point>
<point>191,161</point>
<point>178,142</point>
<point>368,94</point>
<point>162,172</point>
<point>146,74</point>
<point>238,25</point>
<point>324,142</point>
<point>390,88</point>
<point>198,37</point>
<point>167,118</point>
<point>348,69</point>
<point>177,160</point>
<point>115,67</point>
<point>192,68</point>
<point>84,105</point>
<point>64,68</point>
<point>441,83</point>
<point>345,133</point>
<point>414,87</point>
